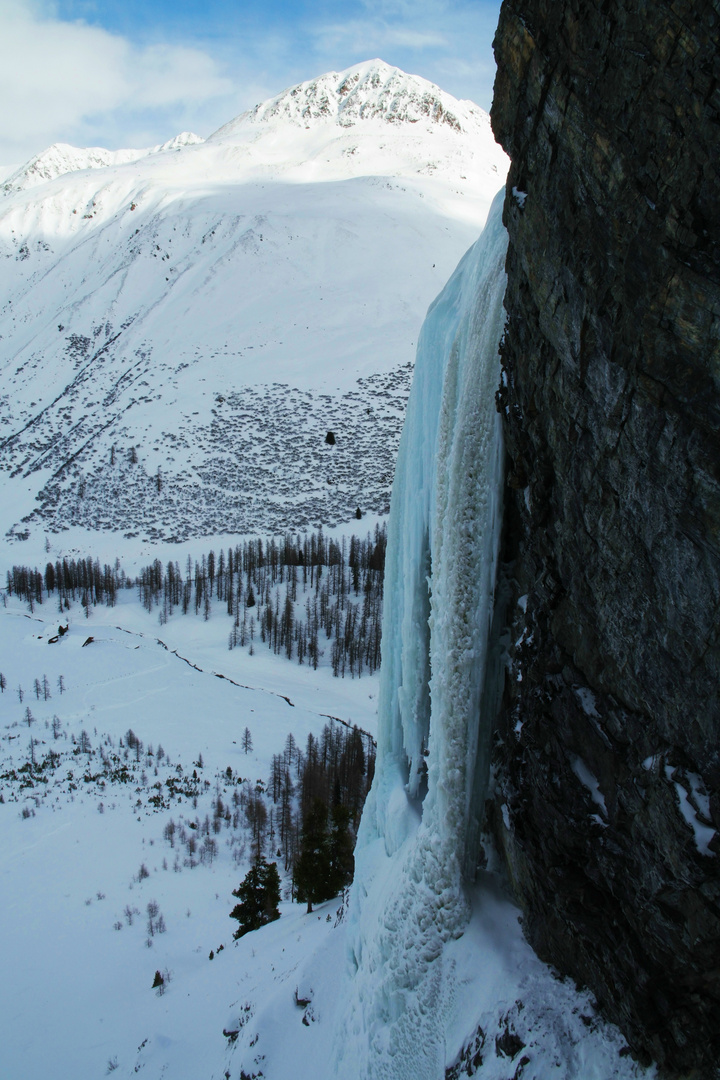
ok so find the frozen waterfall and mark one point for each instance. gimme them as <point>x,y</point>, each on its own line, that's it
<point>420,824</point>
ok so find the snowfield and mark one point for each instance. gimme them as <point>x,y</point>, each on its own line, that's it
<point>77,990</point>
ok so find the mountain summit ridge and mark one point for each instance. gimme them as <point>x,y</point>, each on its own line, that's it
<point>372,90</point>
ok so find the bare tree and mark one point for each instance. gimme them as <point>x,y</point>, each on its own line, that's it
<point>153,910</point>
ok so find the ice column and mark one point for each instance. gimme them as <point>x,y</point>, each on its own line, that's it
<point>432,763</point>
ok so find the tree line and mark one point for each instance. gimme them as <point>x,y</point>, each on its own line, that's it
<point>298,596</point>
<point>82,579</point>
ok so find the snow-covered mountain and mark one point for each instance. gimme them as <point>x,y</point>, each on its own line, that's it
<point>180,328</point>
<point>61,158</point>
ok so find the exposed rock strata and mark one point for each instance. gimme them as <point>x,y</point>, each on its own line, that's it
<point>611,114</point>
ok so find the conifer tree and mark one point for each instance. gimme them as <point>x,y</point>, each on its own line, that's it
<point>312,875</point>
<point>340,848</point>
<point>259,896</point>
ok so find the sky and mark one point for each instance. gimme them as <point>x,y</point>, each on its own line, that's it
<point>134,73</point>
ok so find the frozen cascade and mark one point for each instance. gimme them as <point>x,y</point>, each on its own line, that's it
<point>420,822</point>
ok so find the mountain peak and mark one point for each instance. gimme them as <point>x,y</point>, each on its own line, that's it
<point>62,158</point>
<point>372,90</point>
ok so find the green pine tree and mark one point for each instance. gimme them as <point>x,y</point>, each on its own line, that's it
<point>340,845</point>
<point>259,896</point>
<point>313,869</point>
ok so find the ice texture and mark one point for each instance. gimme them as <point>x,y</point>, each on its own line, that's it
<point>421,819</point>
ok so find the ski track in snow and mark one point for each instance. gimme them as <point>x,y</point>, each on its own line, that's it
<point>45,839</point>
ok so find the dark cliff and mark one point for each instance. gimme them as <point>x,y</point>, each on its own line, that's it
<point>609,748</point>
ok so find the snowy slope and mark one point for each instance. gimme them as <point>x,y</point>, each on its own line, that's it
<point>77,970</point>
<point>213,309</point>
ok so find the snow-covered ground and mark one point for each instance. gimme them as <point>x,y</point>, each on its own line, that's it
<point>77,997</point>
<point>76,975</point>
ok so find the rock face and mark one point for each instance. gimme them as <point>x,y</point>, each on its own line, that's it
<point>609,748</point>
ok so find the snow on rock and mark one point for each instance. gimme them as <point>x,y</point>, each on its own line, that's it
<point>371,90</point>
<point>587,700</point>
<point>61,158</point>
<point>431,774</point>
<point>588,779</point>
<point>694,806</point>
<point>185,138</point>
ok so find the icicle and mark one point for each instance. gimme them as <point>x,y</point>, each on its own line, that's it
<point>421,817</point>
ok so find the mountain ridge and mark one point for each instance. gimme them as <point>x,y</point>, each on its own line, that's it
<point>62,158</point>
<point>372,90</point>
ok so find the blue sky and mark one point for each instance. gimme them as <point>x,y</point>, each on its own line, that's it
<point>130,73</point>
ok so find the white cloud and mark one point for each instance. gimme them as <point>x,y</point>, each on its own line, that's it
<point>370,38</point>
<point>58,77</point>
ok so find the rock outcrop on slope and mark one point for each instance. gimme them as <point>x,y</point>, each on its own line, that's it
<point>609,756</point>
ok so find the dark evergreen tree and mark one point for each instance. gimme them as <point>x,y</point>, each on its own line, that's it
<point>259,896</point>
<point>313,871</point>
<point>340,847</point>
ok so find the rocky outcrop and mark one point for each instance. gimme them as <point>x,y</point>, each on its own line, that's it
<point>609,749</point>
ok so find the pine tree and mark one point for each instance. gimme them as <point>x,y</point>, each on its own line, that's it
<point>340,847</point>
<point>312,875</point>
<point>259,896</point>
